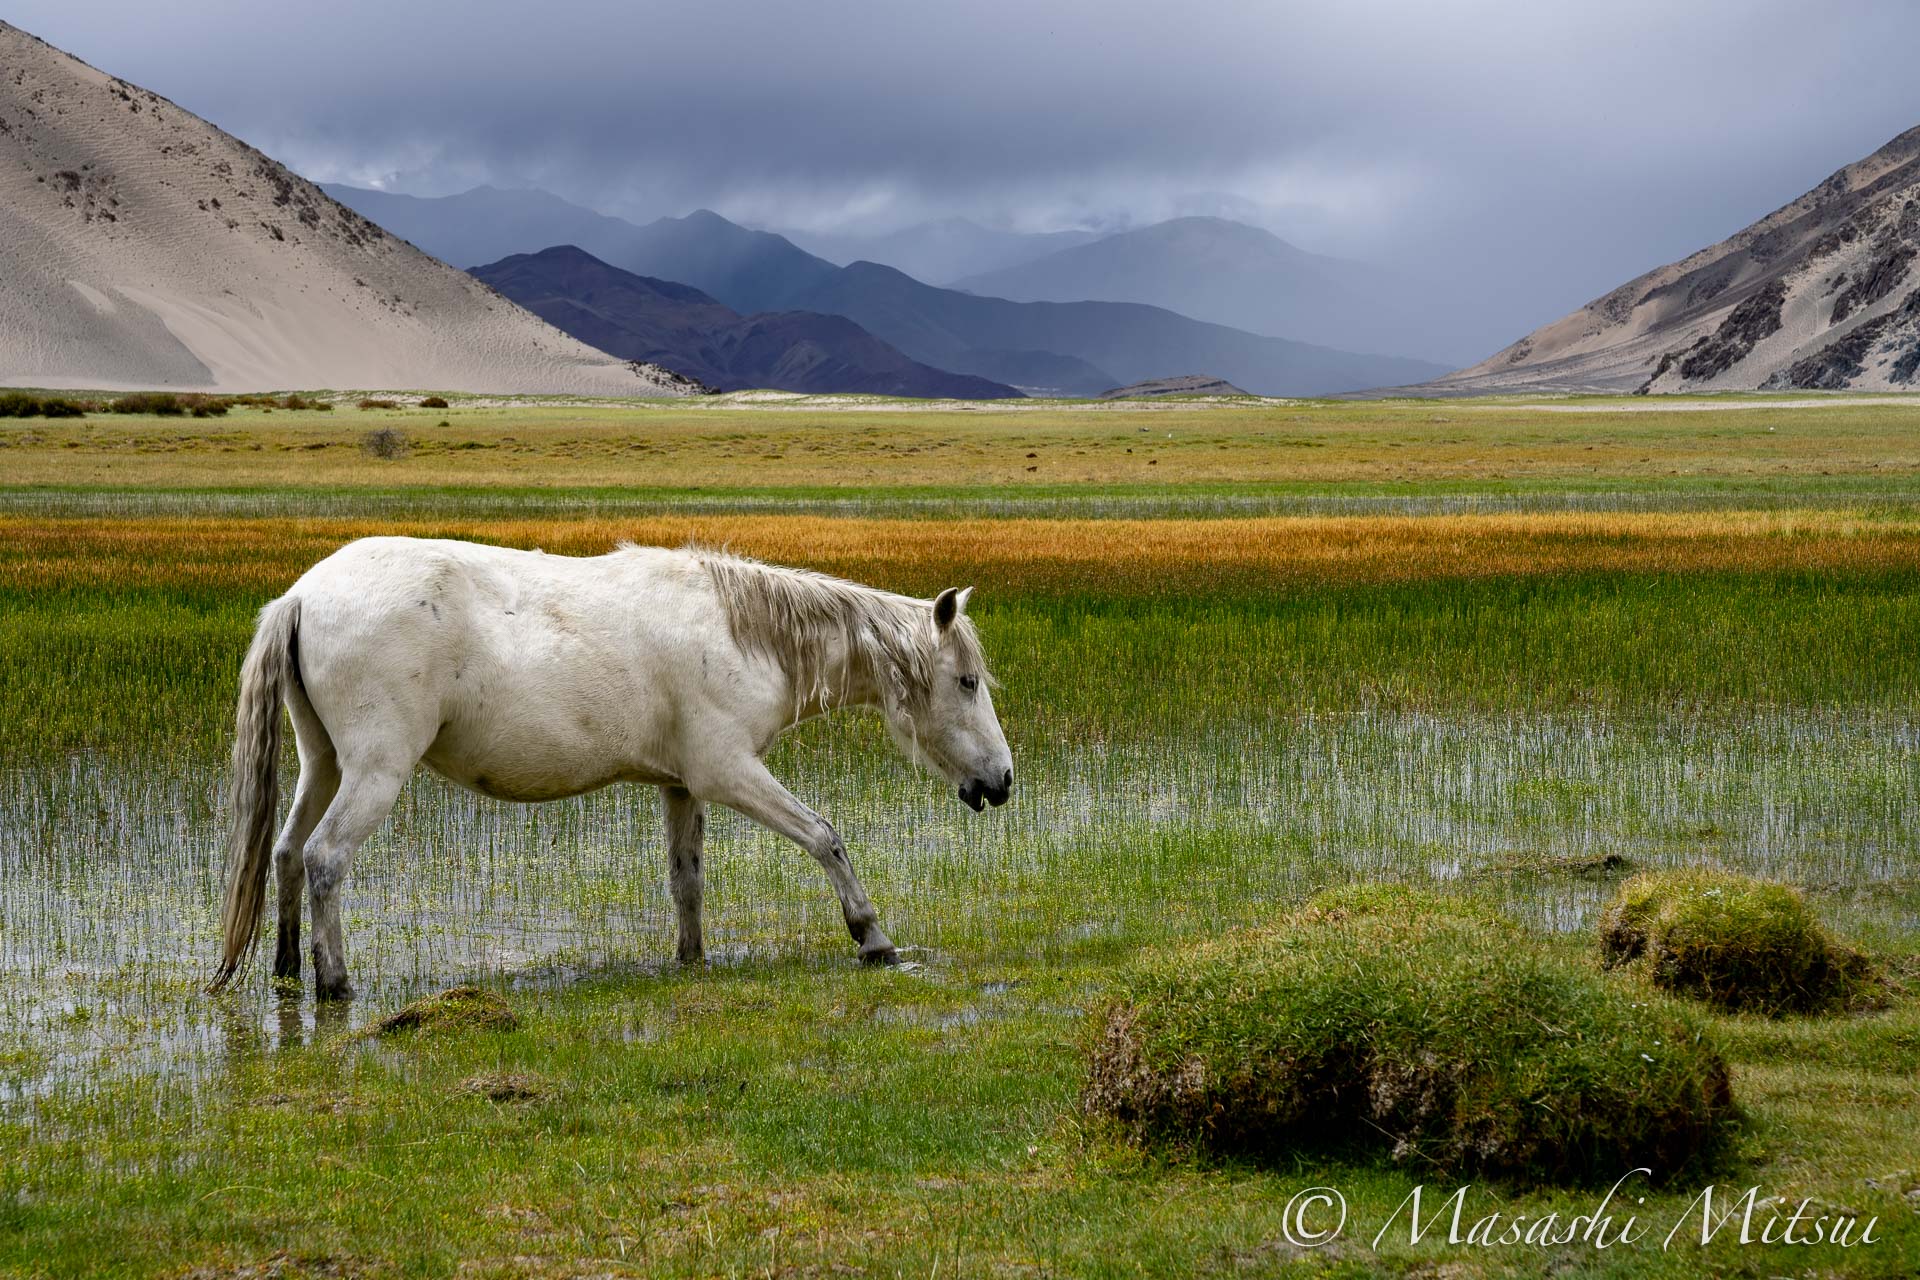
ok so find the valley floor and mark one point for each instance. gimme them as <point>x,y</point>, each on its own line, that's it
<point>1247,652</point>
<point>1759,445</point>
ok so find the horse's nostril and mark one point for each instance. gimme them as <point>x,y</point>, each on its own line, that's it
<point>1006,780</point>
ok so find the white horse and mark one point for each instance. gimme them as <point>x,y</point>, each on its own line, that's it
<point>528,676</point>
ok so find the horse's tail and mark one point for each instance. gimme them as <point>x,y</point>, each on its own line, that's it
<point>271,663</point>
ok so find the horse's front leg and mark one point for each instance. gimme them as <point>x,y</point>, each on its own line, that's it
<point>686,836</point>
<point>748,788</point>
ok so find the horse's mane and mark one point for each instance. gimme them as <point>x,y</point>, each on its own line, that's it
<point>792,616</point>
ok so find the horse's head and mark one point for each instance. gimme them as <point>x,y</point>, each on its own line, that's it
<point>950,726</point>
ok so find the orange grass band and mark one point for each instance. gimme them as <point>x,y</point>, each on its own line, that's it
<point>1044,556</point>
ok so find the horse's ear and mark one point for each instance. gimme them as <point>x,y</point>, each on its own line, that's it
<point>948,605</point>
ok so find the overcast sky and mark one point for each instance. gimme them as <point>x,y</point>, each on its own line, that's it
<point>1528,156</point>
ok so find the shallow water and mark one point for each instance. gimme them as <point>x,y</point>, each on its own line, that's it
<point>110,868</point>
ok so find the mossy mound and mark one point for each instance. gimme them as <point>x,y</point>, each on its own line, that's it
<point>507,1086</point>
<point>1740,944</point>
<point>1386,1020</point>
<point>1387,898</point>
<point>455,1007</point>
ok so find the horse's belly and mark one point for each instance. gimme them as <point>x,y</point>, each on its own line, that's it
<point>533,766</point>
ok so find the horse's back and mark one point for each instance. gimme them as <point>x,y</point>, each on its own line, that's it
<point>397,574</point>
<point>501,666</point>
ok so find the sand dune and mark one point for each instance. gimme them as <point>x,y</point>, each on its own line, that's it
<point>1823,293</point>
<point>142,247</point>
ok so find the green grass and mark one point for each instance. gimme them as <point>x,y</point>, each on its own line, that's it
<point>1614,644</point>
<point>785,1116</point>
<point>1891,491</point>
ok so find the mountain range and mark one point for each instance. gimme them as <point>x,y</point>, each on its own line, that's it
<point>142,247</point>
<point>640,318</point>
<point>944,250</point>
<point>1072,348</point>
<point>1084,348</point>
<point>749,270</point>
<point>1821,294</point>
<point>1236,275</point>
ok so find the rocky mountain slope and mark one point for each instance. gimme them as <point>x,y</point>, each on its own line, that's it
<point>1821,294</point>
<point>683,329</point>
<point>748,270</point>
<point>1187,384</point>
<point>142,247</point>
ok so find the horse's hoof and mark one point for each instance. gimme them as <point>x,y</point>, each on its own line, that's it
<point>333,991</point>
<point>887,955</point>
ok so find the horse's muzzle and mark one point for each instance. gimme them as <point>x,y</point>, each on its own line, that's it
<point>978,793</point>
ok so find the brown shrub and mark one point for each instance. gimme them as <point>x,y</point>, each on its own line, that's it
<point>164,403</point>
<point>385,442</point>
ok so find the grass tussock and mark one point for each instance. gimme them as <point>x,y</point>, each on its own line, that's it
<point>434,402</point>
<point>1381,1019</point>
<point>1740,944</point>
<point>453,1009</point>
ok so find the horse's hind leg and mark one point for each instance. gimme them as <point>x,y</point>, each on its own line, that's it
<point>368,788</point>
<point>318,783</point>
<point>319,780</point>
<point>686,836</point>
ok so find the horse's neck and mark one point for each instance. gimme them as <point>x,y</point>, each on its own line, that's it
<point>846,680</point>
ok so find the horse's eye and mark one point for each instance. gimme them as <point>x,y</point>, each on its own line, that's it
<point>969,683</point>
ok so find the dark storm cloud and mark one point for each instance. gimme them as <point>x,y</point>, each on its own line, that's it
<point>1524,156</point>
